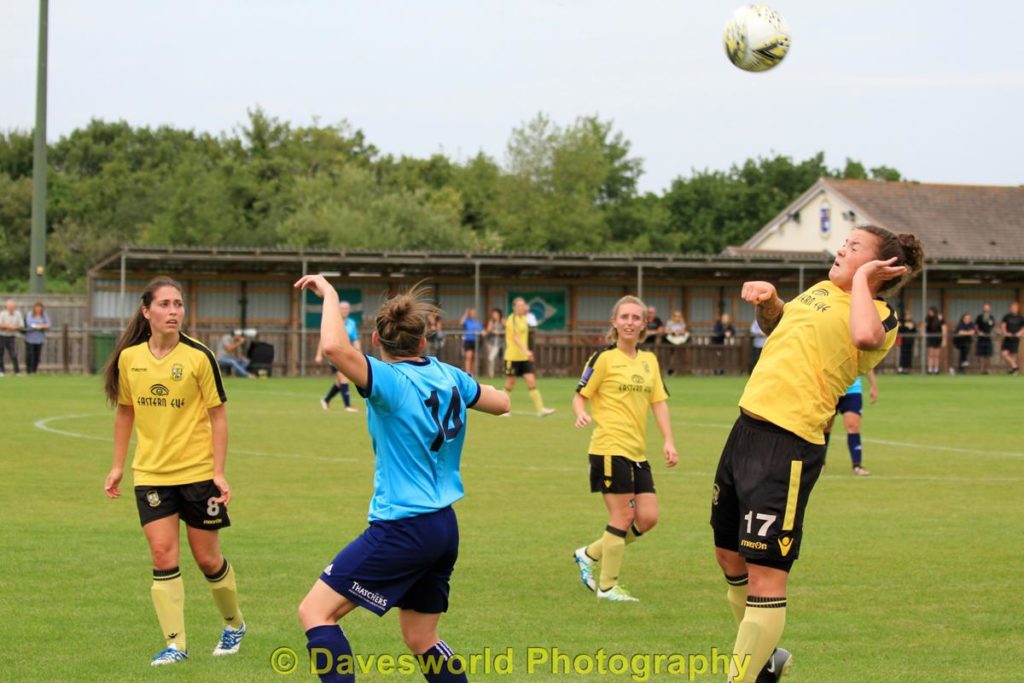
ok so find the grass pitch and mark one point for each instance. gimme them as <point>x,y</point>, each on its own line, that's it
<point>908,575</point>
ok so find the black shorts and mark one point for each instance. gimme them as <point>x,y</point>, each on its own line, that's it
<point>619,474</point>
<point>1011,344</point>
<point>851,403</point>
<point>518,368</point>
<point>933,342</point>
<point>761,490</point>
<point>468,345</point>
<point>983,349</point>
<point>192,502</point>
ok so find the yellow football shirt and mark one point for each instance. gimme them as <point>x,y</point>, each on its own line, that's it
<point>516,325</point>
<point>171,397</point>
<point>809,361</point>
<point>621,390</point>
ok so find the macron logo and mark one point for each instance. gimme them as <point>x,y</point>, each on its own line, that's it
<point>375,598</point>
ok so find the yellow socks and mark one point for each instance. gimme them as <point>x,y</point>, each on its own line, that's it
<point>596,549</point>
<point>763,622</point>
<point>613,546</point>
<point>225,595</point>
<point>737,595</point>
<point>168,593</point>
<point>538,402</point>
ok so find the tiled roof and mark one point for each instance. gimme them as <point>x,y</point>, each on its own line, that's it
<point>952,221</point>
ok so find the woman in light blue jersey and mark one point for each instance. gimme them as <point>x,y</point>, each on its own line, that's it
<point>416,414</point>
<point>851,406</point>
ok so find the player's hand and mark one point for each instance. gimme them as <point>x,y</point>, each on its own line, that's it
<point>529,355</point>
<point>112,484</point>
<point>878,272</point>
<point>874,395</point>
<point>757,292</point>
<point>315,283</point>
<point>582,420</point>
<point>671,457</point>
<point>225,491</point>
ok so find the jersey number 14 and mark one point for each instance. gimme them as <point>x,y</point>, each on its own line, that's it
<point>450,425</point>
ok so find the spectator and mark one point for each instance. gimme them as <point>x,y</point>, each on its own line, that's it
<point>757,340</point>
<point>676,334</point>
<point>964,336</point>
<point>471,327</point>
<point>434,335</point>
<point>723,333</point>
<point>11,323</point>
<point>905,340</point>
<point>655,327</point>
<point>935,338</point>
<point>36,325</point>
<point>229,353</point>
<point>983,325</point>
<point>494,333</point>
<point>1012,328</point>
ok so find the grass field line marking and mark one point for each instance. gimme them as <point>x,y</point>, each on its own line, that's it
<point>44,425</point>
<point>898,444</point>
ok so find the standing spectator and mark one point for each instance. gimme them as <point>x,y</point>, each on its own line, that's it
<point>723,333</point>
<point>963,337</point>
<point>983,326</point>
<point>676,334</point>
<point>655,327</point>
<point>435,335</point>
<point>935,338</point>
<point>1012,328</point>
<point>495,335</point>
<point>905,340</point>
<point>229,353</point>
<point>471,327</point>
<point>757,340</point>
<point>11,323</point>
<point>36,325</point>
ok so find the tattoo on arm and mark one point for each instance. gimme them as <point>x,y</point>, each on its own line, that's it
<point>768,315</point>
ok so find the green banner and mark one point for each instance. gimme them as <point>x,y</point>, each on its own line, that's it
<point>314,306</point>
<point>548,307</point>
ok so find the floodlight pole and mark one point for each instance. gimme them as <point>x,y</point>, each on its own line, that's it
<point>37,256</point>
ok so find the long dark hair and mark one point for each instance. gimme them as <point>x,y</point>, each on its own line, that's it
<point>138,331</point>
<point>905,247</point>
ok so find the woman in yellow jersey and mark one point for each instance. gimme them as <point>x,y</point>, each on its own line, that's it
<point>817,345</point>
<point>622,383</point>
<point>168,387</point>
<point>519,355</point>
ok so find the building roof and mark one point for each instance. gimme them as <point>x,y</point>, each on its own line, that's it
<point>954,222</point>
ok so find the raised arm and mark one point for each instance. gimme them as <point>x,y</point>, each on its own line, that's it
<point>334,342</point>
<point>767,304</point>
<point>866,329</point>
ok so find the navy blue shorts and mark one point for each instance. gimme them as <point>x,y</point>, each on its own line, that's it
<point>851,403</point>
<point>405,562</point>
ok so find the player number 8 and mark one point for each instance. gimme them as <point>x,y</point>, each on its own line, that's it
<point>212,507</point>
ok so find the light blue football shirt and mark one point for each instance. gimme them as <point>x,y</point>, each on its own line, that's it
<point>351,329</point>
<point>416,415</point>
<point>856,387</point>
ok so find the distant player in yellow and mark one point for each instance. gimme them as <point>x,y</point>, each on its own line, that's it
<point>817,345</point>
<point>519,357</point>
<point>168,387</point>
<point>622,384</point>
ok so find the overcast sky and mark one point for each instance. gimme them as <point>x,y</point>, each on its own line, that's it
<point>934,89</point>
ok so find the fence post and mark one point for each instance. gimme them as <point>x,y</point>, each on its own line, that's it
<point>65,339</point>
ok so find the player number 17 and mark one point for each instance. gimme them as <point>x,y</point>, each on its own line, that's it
<point>767,519</point>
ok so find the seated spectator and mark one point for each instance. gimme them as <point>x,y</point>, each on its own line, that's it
<point>229,353</point>
<point>676,332</point>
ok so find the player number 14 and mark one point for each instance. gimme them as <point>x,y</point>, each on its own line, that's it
<point>450,425</point>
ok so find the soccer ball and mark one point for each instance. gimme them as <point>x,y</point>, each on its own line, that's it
<point>756,38</point>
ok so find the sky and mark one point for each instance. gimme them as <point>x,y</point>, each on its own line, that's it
<point>934,89</point>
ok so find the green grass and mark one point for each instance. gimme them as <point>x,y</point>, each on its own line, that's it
<point>909,575</point>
